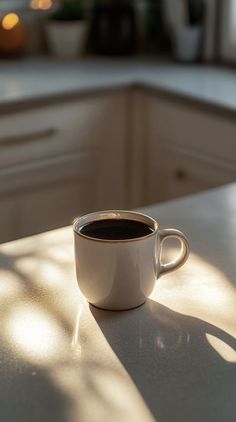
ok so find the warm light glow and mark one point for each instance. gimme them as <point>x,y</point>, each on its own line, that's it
<point>10,287</point>
<point>223,349</point>
<point>34,333</point>
<point>49,272</point>
<point>199,284</point>
<point>41,4</point>
<point>58,254</point>
<point>200,289</point>
<point>10,21</point>
<point>76,346</point>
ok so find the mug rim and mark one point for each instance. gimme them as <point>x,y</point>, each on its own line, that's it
<point>102,215</point>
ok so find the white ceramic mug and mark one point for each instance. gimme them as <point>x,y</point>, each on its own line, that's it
<point>120,274</point>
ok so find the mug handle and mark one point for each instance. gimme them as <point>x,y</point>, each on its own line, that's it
<point>184,252</point>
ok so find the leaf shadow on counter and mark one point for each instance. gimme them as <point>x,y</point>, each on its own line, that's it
<point>167,354</point>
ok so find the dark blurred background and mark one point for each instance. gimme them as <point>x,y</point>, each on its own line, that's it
<point>123,27</point>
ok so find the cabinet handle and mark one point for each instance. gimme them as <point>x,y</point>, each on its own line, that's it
<point>23,138</point>
<point>180,174</point>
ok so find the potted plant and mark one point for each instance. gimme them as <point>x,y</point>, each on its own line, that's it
<point>113,27</point>
<point>66,30</point>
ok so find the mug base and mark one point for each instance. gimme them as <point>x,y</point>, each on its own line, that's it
<point>114,309</point>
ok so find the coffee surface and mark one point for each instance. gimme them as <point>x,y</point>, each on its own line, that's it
<point>116,229</point>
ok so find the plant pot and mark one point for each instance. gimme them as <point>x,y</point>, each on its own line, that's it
<point>66,39</point>
<point>187,43</point>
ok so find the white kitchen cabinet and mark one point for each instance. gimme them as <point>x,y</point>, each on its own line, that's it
<point>120,149</point>
<point>137,156</point>
<point>188,149</point>
<point>60,161</point>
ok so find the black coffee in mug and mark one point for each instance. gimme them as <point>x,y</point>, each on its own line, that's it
<point>119,272</point>
<point>116,229</point>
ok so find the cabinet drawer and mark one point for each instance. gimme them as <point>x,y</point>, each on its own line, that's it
<point>53,206</point>
<point>193,129</point>
<point>50,170</point>
<point>53,130</point>
<point>36,198</point>
<point>45,208</point>
<point>178,173</point>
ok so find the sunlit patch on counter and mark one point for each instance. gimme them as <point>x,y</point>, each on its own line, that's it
<point>227,352</point>
<point>199,289</point>
<point>34,333</point>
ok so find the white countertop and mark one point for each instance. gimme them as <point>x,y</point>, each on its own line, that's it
<point>31,79</point>
<point>173,358</point>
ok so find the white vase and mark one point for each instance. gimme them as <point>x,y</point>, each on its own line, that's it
<point>66,39</point>
<point>187,42</point>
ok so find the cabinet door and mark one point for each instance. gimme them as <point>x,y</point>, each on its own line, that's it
<point>9,222</point>
<point>137,141</point>
<point>200,130</point>
<point>188,151</point>
<point>175,173</point>
<point>112,154</point>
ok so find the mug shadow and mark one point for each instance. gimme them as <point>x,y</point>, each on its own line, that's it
<point>180,375</point>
